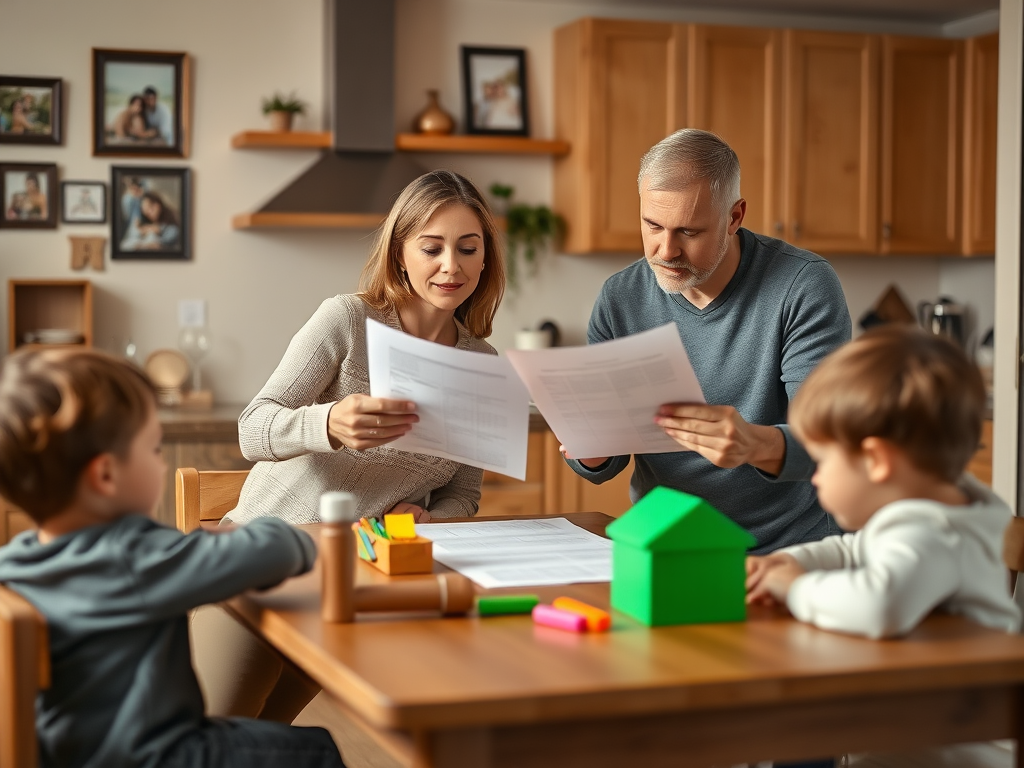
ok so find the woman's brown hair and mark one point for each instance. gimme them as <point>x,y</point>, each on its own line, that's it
<point>916,390</point>
<point>382,285</point>
<point>59,409</point>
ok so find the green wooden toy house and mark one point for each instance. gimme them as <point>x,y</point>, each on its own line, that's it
<point>678,560</point>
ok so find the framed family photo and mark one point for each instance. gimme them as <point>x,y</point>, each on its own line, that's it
<point>31,110</point>
<point>83,202</point>
<point>140,103</point>
<point>152,212</point>
<point>29,195</point>
<point>494,86</point>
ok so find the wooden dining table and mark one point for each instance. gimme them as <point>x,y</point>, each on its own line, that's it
<point>503,692</point>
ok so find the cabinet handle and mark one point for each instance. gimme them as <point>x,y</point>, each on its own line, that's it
<point>886,231</point>
<point>796,230</point>
<point>779,227</point>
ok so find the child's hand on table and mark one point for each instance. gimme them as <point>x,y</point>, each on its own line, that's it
<point>769,577</point>
<point>420,515</point>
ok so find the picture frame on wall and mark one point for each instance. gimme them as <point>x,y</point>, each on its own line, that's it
<point>140,103</point>
<point>494,90</point>
<point>83,202</point>
<point>29,195</point>
<point>151,211</point>
<point>31,110</point>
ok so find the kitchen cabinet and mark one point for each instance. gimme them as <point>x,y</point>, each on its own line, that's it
<point>12,521</point>
<point>734,89</point>
<point>981,93</point>
<point>921,116</point>
<point>831,141</point>
<point>618,91</point>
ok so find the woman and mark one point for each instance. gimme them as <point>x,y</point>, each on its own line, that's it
<point>155,228</point>
<point>131,123</point>
<point>32,203</point>
<point>436,271</point>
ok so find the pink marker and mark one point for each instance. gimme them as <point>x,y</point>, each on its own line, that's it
<point>549,616</point>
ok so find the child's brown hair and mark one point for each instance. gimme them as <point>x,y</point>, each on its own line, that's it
<point>916,390</point>
<point>59,409</point>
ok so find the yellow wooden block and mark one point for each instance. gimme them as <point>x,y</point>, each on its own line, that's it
<point>400,526</point>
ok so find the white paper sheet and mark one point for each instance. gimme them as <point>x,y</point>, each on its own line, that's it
<point>521,553</point>
<point>472,407</point>
<point>600,400</point>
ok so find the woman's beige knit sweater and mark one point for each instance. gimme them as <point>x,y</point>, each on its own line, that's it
<point>284,429</point>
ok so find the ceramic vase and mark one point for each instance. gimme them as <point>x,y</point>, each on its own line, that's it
<point>433,119</point>
<point>280,121</point>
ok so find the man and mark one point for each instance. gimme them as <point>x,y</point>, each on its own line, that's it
<point>755,314</point>
<point>158,116</point>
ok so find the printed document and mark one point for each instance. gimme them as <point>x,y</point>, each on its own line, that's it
<point>601,400</point>
<point>472,407</point>
<point>521,553</point>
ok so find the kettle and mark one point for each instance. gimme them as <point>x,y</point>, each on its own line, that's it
<point>943,318</point>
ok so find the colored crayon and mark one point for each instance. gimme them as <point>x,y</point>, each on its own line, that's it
<point>364,536</point>
<point>597,620</point>
<point>549,616</point>
<point>501,605</point>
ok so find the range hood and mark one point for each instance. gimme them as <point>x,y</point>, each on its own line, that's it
<point>361,173</point>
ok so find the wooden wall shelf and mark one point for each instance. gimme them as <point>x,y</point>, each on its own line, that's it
<point>269,220</point>
<point>512,145</point>
<point>406,142</point>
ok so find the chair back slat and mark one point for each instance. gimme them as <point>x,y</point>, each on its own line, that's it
<point>24,671</point>
<point>1013,545</point>
<point>205,496</point>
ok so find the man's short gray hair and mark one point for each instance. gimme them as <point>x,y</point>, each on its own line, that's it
<point>690,155</point>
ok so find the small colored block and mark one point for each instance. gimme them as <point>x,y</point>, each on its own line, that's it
<point>597,620</point>
<point>400,526</point>
<point>549,616</point>
<point>501,605</point>
<point>365,538</point>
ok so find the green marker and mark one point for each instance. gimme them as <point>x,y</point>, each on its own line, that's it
<point>501,605</point>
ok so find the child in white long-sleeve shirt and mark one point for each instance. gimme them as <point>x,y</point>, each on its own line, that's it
<point>891,420</point>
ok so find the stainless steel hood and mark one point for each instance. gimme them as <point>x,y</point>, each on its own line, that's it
<point>362,173</point>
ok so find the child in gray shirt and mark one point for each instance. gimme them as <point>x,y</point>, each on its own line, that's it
<point>80,453</point>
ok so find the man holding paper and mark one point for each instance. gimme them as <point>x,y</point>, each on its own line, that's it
<point>755,314</point>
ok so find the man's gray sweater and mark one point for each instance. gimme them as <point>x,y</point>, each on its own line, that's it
<point>752,348</point>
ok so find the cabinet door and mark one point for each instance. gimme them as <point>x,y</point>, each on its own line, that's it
<point>617,93</point>
<point>503,495</point>
<point>920,145</point>
<point>735,90</point>
<point>981,91</point>
<point>831,141</point>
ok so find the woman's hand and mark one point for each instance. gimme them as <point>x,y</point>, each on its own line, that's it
<point>360,421</point>
<point>420,515</point>
<point>770,577</point>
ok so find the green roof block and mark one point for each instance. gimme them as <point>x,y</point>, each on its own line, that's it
<point>678,560</point>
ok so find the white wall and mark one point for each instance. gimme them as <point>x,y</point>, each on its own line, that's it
<point>262,285</point>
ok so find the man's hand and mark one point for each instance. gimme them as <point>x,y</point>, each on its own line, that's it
<point>420,515</point>
<point>720,435</point>
<point>770,577</point>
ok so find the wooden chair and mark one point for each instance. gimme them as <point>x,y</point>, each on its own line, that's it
<point>1013,550</point>
<point>205,497</point>
<point>24,671</point>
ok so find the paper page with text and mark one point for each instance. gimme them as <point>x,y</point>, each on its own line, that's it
<point>601,400</point>
<point>472,407</point>
<point>521,553</point>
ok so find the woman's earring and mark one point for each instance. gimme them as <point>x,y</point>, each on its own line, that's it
<point>482,265</point>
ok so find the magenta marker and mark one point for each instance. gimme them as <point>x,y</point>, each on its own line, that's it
<point>549,616</point>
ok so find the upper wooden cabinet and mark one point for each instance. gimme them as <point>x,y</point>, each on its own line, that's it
<point>734,88</point>
<point>921,115</point>
<point>618,91</point>
<point>981,92</point>
<point>831,144</point>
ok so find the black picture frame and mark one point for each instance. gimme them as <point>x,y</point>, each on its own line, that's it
<point>494,91</point>
<point>83,202</point>
<point>42,121</point>
<point>23,208</point>
<point>160,126</point>
<point>137,229</point>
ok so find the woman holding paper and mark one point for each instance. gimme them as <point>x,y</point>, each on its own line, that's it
<point>435,271</point>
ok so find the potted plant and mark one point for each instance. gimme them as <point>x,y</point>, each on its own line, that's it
<point>528,228</point>
<point>282,109</point>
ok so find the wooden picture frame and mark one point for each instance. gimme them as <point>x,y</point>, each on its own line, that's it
<point>494,91</point>
<point>28,192</point>
<point>31,110</point>
<point>83,202</point>
<point>141,103</point>
<point>151,212</point>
